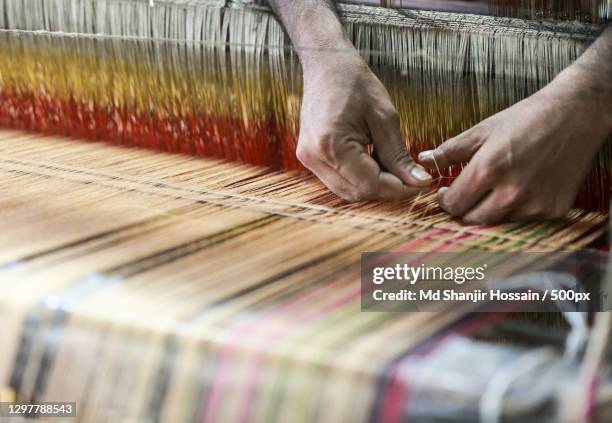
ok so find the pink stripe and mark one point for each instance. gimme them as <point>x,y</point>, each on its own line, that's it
<point>589,406</point>
<point>395,399</point>
<point>397,393</point>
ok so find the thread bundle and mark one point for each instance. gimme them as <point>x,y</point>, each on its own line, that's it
<point>204,79</point>
<point>580,10</point>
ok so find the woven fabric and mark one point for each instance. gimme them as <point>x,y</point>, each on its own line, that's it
<point>159,287</point>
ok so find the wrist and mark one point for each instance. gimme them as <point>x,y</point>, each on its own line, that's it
<point>332,66</point>
<point>590,90</point>
<point>316,33</point>
<point>327,54</point>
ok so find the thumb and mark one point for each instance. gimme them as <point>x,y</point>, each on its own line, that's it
<point>394,157</point>
<point>454,151</point>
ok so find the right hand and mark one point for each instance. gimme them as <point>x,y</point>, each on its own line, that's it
<point>345,107</point>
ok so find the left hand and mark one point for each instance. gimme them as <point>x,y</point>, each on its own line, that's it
<point>526,162</point>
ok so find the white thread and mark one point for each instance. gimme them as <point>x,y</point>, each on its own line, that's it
<point>579,333</point>
<point>491,403</point>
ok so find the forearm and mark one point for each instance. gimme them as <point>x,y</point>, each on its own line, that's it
<point>590,79</point>
<point>314,29</point>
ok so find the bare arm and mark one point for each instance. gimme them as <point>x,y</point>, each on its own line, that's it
<point>311,24</point>
<point>590,77</point>
<point>345,108</point>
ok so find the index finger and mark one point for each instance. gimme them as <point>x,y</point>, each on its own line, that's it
<point>465,192</point>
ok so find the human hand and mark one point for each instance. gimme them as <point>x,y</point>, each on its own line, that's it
<point>345,108</point>
<point>526,162</point>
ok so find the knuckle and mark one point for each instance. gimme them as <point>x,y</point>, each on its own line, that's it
<point>387,115</point>
<point>324,146</point>
<point>311,151</point>
<point>480,130</point>
<point>503,162</point>
<point>400,157</point>
<point>304,154</point>
<point>392,117</point>
<point>485,128</point>
<point>514,197</point>
<point>485,172</point>
<point>449,206</point>
<point>444,151</point>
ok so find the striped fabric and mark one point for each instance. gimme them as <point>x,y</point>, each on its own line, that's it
<point>155,287</point>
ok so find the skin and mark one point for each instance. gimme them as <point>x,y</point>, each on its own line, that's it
<point>529,161</point>
<point>345,108</point>
<point>526,162</point>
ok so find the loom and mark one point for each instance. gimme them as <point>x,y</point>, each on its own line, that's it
<point>222,283</point>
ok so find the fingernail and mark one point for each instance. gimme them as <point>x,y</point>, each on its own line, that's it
<point>426,155</point>
<point>442,190</point>
<point>420,173</point>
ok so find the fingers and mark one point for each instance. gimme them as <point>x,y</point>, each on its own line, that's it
<point>538,210</point>
<point>484,195</point>
<point>354,175</point>
<point>392,188</point>
<point>366,176</point>
<point>392,152</point>
<point>526,215</point>
<point>493,209</point>
<point>454,151</point>
<point>512,203</point>
<point>466,191</point>
<point>507,205</point>
<point>334,181</point>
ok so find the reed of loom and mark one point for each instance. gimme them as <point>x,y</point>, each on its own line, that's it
<point>592,11</point>
<point>217,78</point>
